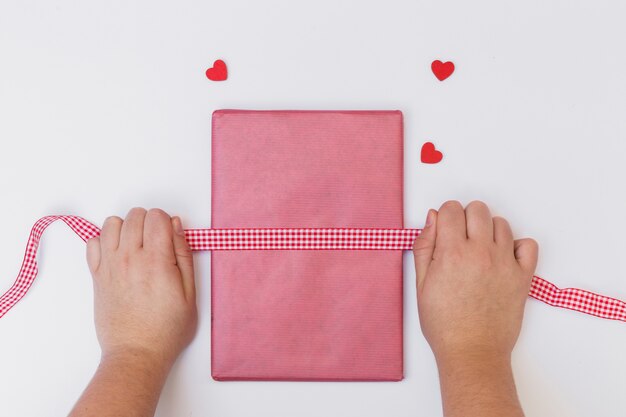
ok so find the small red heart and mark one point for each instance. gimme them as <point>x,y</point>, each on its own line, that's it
<point>442,70</point>
<point>430,155</point>
<point>218,71</point>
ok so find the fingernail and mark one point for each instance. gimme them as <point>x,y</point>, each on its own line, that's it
<point>429,218</point>
<point>178,226</point>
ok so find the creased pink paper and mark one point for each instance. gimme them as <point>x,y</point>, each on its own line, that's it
<point>307,314</point>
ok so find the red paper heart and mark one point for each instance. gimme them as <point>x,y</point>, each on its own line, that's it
<point>218,71</point>
<point>430,155</point>
<point>442,70</point>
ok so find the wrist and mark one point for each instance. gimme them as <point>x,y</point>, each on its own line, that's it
<point>137,360</point>
<point>478,384</point>
<point>474,361</point>
<point>128,381</point>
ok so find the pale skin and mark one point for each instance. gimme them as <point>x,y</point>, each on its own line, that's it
<point>472,283</point>
<point>145,311</point>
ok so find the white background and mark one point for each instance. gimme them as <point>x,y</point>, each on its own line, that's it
<point>104,105</point>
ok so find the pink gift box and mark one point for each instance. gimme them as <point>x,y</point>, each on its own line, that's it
<point>314,315</point>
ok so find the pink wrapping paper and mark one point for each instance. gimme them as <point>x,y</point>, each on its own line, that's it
<point>307,314</point>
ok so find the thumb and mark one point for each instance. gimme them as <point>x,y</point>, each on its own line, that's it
<point>423,248</point>
<point>184,259</point>
<point>526,252</point>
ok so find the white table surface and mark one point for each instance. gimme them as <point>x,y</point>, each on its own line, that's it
<point>104,105</point>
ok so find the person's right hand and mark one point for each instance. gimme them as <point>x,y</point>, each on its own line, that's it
<point>473,280</point>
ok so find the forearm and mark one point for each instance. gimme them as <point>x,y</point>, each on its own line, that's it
<point>126,384</point>
<point>478,387</point>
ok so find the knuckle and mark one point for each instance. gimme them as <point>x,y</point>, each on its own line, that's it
<point>532,242</point>
<point>420,244</point>
<point>450,204</point>
<point>502,225</point>
<point>157,212</point>
<point>477,204</point>
<point>486,260</point>
<point>122,260</point>
<point>184,255</point>
<point>112,220</point>
<point>500,219</point>
<point>453,255</point>
<point>156,257</point>
<point>484,257</point>
<point>137,210</point>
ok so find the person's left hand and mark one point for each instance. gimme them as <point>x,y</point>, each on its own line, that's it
<point>145,301</point>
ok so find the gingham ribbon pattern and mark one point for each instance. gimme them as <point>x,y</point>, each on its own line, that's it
<point>301,239</point>
<point>304,239</point>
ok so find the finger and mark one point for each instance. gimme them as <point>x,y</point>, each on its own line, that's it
<point>184,259</point>
<point>110,234</point>
<point>157,233</point>
<point>503,234</point>
<point>131,235</point>
<point>526,253</point>
<point>93,254</point>
<point>423,248</point>
<point>451,228</point>
<point>479,222</point>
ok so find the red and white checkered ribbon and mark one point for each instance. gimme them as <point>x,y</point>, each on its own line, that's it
<point>301,239</point>
<point>305,239</point>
